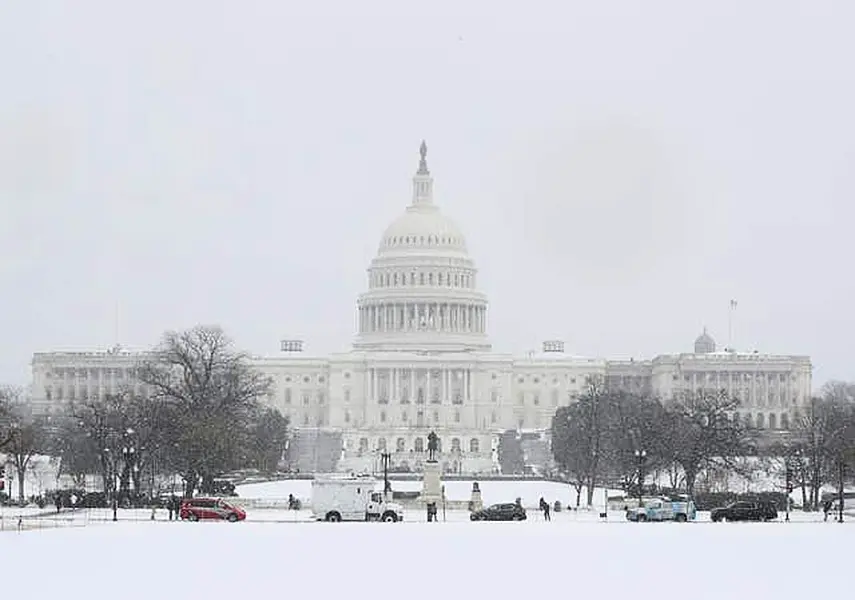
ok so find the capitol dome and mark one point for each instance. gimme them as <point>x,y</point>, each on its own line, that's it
<point>422,292</point>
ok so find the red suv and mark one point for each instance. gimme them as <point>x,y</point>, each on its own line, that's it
<point>194,509</point>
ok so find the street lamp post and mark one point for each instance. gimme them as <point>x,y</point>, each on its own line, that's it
<point>788,488</point>
<point>640,455</point>
<point>841,472</point>
<point>111,478</point>
<point>129,457</point>
<point>386,457</point>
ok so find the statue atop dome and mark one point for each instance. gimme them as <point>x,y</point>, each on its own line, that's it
<point>423,168</point>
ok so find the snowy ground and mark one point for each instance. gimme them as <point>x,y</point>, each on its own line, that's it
<point>573,555</point>
<point>492,492</point>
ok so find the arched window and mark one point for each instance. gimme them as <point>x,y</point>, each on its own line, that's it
<point>455,444</point>
<point>773,421</point>
<point>761,421</point>
<point>457,416</point>
<point>419,445</point>
<point>474,445</point>
<point>382,416</point>
<point>785,421</point>
<point>493,417</point>
<point>400,445</point>
<point>347,416</point>
<point>436,416</point>
<point>363,444</point>
<point>381,444</point>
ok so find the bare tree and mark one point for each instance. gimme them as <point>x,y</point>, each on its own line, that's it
<point>25,435</point>
<point>104,423</point>
<point>71,443</point>
<point>579,439</point>
<point>9,398</point>
<point>210,393</point>
<point>267,440</point>
<point>635,425</point>
<point>701,435</point>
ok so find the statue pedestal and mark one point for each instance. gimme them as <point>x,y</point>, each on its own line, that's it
<point>432,483</point>
<point>475,501</point>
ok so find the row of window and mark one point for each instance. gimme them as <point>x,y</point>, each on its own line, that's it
<point>422,240</point>
<point>89,393</point>
<point>306,396</point>
<point>420,417</point>
<point>91,373</point>
<point>762,421</point>
<point>385,279</point>
<point>419,445</point>
<point>769,378</point>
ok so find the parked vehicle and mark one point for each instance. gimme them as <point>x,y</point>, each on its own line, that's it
<point>499,512</point>
<point>663,509</point>
<point>745,511</point>
<point>352,498</point>
<point>197,509</point>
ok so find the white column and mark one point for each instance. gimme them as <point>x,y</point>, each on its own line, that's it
<point>373,393</point>
<point>446,390</point>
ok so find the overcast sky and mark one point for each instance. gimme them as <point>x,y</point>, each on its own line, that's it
<point>622,169</point>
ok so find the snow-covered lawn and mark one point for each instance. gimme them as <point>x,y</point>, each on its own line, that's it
<point>572,556</point>
<point>492,492</point>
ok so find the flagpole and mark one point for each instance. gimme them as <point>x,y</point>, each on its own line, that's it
<point>730,325</point>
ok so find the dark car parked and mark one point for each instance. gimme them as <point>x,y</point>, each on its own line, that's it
<point>499,512</point>
<point>745,511</point>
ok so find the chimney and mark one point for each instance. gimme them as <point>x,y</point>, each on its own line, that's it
<point>554,346</point>
<point>291,345</point>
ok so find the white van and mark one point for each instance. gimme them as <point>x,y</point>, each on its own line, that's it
<point>352,498</point>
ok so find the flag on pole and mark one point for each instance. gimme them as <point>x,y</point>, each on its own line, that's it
<point>733,304</point>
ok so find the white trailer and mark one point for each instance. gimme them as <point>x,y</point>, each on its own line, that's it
<point>352,498</point>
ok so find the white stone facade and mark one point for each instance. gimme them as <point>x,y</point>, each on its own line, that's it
<point>422,361</point>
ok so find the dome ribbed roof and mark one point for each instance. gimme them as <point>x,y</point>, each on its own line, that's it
<point>422,228</point>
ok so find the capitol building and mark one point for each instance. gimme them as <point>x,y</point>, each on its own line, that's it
<point>421,360</point>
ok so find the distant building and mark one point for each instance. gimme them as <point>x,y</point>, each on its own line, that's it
<point>422,361</point>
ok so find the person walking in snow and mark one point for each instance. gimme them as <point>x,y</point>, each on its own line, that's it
<point>544,506</point>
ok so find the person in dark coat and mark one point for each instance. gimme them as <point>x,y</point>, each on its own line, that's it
<point>58,502</point>
<point>544,506</point>
<point>174,507</point>
<point>826,509</point>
